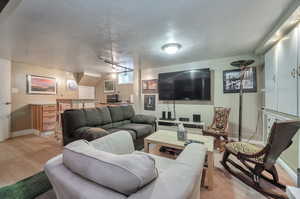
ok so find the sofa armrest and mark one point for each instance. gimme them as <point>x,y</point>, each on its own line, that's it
<point>89,133</point>
<point>143,119</point>
<point>182,180</point>
<point>193,155</point>
<point>178,182</point>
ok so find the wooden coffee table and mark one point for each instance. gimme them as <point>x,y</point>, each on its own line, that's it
<point>169,139</point>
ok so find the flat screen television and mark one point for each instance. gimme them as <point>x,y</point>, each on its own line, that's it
<point>185,85</point>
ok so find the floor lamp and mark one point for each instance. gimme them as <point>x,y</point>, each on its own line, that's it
<point>242,65</point>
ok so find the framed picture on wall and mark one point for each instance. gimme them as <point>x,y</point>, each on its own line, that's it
<point>149,86</point>
<point>109,86</point>
<point>231,81</point>
<point>72,85</point>
<point>41,85</point>
<point>149,102</point>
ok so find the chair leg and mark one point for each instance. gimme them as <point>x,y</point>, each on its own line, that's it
<point>223,143</point>
<point>275,178</point>
<point>225,139</point>
<point>217,142</point>
<point>203,177</point>
<point>225,157</point>
<point>274,174</point>
<point>257,174</point>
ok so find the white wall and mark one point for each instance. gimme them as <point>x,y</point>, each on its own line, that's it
<point>251,105</point>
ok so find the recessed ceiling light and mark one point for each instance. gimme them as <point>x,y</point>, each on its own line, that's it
<point>171,48</point>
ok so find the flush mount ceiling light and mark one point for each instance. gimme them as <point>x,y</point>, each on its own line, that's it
<point>171,48</point>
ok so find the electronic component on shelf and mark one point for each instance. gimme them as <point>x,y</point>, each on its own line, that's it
<point>196,118</point>
<point>184,119</point>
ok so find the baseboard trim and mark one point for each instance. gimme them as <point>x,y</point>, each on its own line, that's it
<point>288,169</point>
<point>47,133</point>
<point>24,132</point>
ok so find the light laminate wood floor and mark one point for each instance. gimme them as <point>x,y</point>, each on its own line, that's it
<point>24,156</point>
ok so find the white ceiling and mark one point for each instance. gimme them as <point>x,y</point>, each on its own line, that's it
<point>71,33</point>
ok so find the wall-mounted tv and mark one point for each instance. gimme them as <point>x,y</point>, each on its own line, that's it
<point>185,85</point>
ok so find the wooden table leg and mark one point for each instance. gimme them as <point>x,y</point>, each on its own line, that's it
<point>146,146</point>
<point>210,165</point>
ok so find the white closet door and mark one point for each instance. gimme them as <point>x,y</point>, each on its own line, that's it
<point>270,79</point>
<point>298,74</point>
<point>287,76</point>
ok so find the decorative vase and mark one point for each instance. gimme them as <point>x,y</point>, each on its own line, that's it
<point>181,133</point>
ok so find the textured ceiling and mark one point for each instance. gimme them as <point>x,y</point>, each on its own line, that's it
<point>70,34</point>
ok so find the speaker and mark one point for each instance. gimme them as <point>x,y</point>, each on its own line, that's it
<point>196,118</point>
<point>184,119</point>
<point>163,115</point>
<point>169,115</point>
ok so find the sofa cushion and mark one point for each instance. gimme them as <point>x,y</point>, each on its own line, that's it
<point>120,123</point>
<point>90,133</point>
<point>128,112</point>
<point>105,115</point>
<point>73,119</point>
<point>93,117</point>
<point>123,173</point>
<point>140,129</point>
<point>116,113</point>
<point>106,126</point>
<point>143,119</point>
<point>161,163</point>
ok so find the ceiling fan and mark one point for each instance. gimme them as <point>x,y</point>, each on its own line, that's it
<point>115,65</point>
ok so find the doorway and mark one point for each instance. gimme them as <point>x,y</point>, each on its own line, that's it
<point>5,99</point>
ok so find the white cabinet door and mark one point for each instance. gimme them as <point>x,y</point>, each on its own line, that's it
<point>286,75</point>
<point>298,74</point>
<point>270,79</point>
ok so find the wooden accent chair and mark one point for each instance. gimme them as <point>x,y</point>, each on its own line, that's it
<point>255,160</point>
<point>219,127</point>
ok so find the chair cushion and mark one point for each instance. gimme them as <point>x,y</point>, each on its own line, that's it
<point>140,129</point>
<point>244,147</point>
<point>105,115</point>
<point>132,133</point>
<point>221,118</point>
<point>162,163</point>
<point>116,113</point>
<point>123,173</point>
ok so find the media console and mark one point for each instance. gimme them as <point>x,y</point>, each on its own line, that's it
<point>192,127</point>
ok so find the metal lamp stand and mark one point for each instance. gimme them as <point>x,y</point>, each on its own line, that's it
<point>242,64</point>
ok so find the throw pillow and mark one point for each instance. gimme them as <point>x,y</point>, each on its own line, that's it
<point>123,173</point>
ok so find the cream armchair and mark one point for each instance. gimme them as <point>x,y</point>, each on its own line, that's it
<point>177,179</point>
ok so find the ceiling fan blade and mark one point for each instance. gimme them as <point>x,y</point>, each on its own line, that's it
<point>127,69</point>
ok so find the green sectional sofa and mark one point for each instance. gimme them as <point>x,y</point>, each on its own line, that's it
<point>93,123</point>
